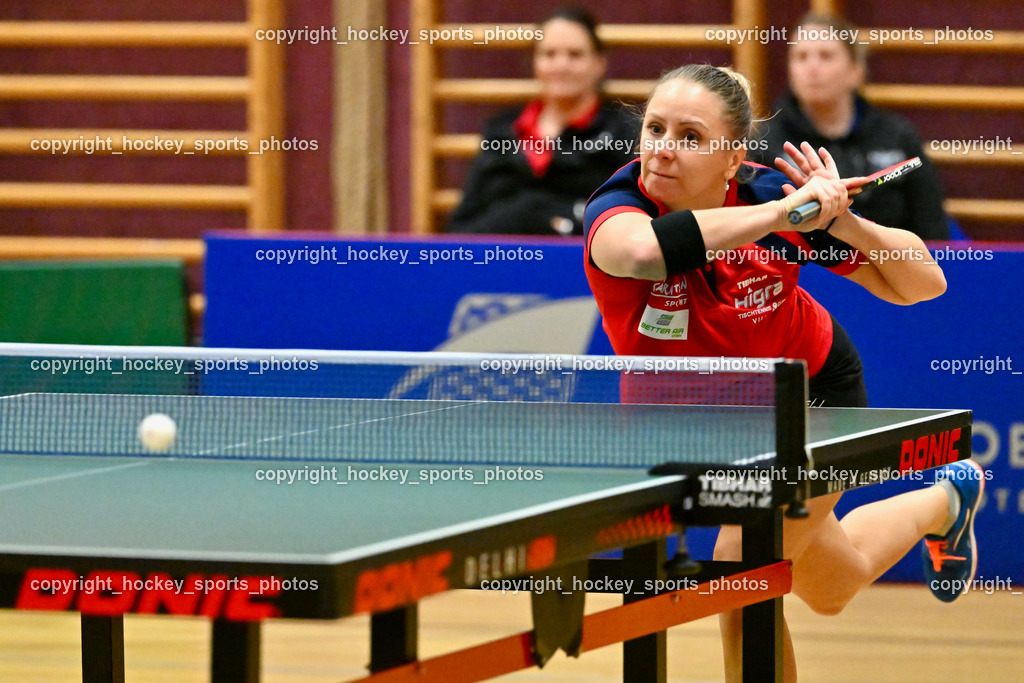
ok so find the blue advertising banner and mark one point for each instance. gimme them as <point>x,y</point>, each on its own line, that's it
<point>962,350</point>
<point>398,295</point>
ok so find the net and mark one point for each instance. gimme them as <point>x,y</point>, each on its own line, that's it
<point>388,407</point>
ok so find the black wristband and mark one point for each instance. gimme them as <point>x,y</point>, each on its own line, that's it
<point>829,226</point>
<point>681,242</point>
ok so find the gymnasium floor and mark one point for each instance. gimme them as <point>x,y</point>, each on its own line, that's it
<point>889,633</point>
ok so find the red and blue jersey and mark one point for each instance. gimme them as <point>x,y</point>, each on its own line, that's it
<point>744,303</point>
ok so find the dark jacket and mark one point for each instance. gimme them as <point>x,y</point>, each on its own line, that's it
<point>503,195</point>
<point>878,140</point>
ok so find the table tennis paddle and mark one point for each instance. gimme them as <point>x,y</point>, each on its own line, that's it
<point>811,209</point>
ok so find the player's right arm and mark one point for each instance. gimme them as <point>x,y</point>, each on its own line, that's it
<point>625,245</point>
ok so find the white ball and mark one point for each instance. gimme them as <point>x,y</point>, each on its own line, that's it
<point>157,432</point>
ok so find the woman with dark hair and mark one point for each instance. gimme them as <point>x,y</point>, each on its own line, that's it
<point>537,166</point>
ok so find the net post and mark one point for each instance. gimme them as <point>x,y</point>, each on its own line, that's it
<point>791,434</point>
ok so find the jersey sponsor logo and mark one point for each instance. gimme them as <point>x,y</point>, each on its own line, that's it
<point>674,294</point>
<point>666,289</point>
<point>759,297</point>
<point>758,314</point>
<point>123,592</point>
<point>930,450</point>
<point>751,280</point>
<point>658,323</point>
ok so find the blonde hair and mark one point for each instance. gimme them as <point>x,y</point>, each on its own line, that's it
<point>729,85</point>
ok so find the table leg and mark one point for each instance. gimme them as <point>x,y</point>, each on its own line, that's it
<point>393,638</point>
<point>762,622</point>
<point>236,652</point>
<point>644,659</point>
<point>102,649</point>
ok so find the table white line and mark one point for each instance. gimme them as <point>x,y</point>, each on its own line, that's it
<point>243,444</point>
<point>70,475</point>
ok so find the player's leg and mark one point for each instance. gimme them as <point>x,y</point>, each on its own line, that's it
<point>845,557</point>
<point>797,535</point>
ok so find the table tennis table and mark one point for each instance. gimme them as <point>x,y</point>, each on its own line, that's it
<point>376,537</point>
<point>342,483</point>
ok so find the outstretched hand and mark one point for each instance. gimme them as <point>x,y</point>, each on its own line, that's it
<point>814,178</point>
<point>812,164</point>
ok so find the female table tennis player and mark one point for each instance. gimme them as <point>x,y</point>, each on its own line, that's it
<point>689,253</point>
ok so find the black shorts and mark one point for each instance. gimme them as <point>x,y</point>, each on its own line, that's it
<point>840,382</point>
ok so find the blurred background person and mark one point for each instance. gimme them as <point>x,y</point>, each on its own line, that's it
<point>823,107</point>
<point>537,166</point>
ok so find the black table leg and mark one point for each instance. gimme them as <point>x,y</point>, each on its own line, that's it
<point>102,649</point>
<point>762,621</point>
<point>644,659</point>
<point>393,639</point>
<point>236,652</point>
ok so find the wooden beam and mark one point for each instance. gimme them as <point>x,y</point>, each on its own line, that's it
<point>1002,210</point>
<point>213,142</point>
<point>126,196</point>
<point>464,146</point>
<point>945,96</point>
<point>154,88</point>
<point>123,34</point>
<point>750,57</point>
<point>22,248</point>
<point>446,200</point>
<point>1001,42</point>
<point>266,120</point>
<point>424,73</point>
<point>1013,155</point>
<point>505,90</point>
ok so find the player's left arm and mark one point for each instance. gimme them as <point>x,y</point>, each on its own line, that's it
<point>898,267</point>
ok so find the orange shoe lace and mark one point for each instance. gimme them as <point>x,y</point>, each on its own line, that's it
<point>937,550</point>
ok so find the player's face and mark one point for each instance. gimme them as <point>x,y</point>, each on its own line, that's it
<point>566,63</point>
<point>687,151</point>
<point>822,72</point>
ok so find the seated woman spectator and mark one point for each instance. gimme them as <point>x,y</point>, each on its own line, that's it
<point>538,166</point>
<point>824,108</point>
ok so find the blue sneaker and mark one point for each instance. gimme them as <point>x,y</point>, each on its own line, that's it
<point>950,560</point>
